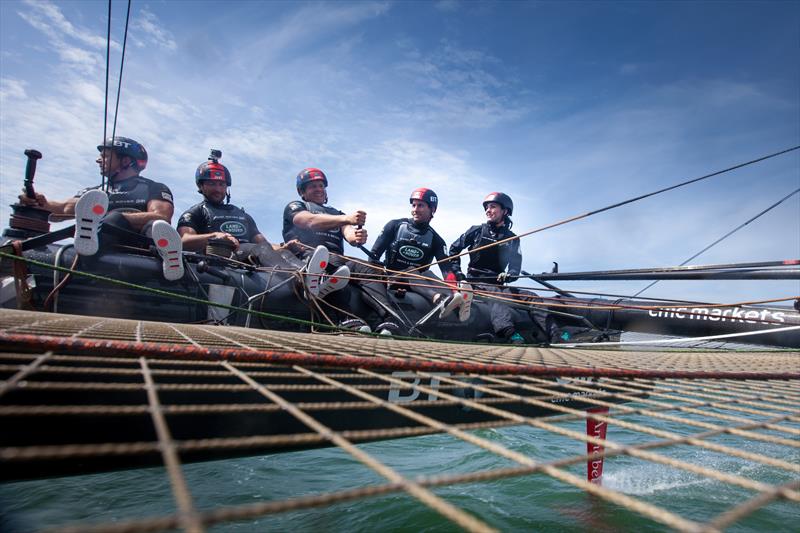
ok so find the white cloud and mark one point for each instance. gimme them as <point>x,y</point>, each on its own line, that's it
<point>152,31</point>
<point>292,34</point>
<point>12,88</point>
<point>47,17</point>
<point>459,87</point>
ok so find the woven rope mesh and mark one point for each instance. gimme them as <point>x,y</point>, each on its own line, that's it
<point>88,395</point>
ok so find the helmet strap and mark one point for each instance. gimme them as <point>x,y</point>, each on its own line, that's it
<point>227,195</point>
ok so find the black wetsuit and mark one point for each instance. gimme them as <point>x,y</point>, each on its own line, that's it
<point>332,239</point>
<point>486,265</point>
<point>208,217</point>
<point>409,246</point>
<point>128,196</point>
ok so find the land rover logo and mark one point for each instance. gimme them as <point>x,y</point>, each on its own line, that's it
<point>411,253</point>
<point>232,227</point>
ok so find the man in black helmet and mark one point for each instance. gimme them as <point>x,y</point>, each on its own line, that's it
<point>411,243</point>
<point>216,218</point>
<point>322,230</point>
<point>490,268</point>
<point>131,211</point>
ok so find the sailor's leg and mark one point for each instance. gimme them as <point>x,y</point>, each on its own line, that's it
<point>90,210</point>
<point>500,312</point>
<point>335,282</point>
<point>169,247</point>
<point>374,289</point>
<point>316,266</point>
<point>117,230</point>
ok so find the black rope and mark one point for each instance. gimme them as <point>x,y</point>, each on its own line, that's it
<point>121,67</point>
<point>776,204</point>
<point>105,106</point>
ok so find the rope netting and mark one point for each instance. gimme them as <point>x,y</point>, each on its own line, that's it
<point>87,394</point>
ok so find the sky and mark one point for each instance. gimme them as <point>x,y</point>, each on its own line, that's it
<point>565,106</point>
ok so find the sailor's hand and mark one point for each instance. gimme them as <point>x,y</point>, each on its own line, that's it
<point>359,218</point>
<point>39,201</point>
<point>360,236</point>
<point>294,246</point>
<point>502,277</point>
<point>226,236</point>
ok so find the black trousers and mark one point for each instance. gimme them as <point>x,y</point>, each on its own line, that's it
<point>116,230</point>
<point>501,314</point>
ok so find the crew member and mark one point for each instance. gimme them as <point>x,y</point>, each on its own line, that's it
<point>321,227</point>
<point>411,243</point>
<point>489,269</point>
<point>216,218</point>
<point>130,209</point>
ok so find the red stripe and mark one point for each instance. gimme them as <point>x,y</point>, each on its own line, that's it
<point>40,343</point>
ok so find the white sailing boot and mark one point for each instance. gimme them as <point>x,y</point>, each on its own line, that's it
<point>466,304</point>
<point>312,276</point>
<point>453,301</point>
<point>169,246</point>
<point>90,210</point>
<point>336,281</point>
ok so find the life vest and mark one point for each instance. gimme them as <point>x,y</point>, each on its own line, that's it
<point>411,247</point>
<point>331,239</point>
<point>493,259</point>
<point>229,219</point>
<point>134,193</point>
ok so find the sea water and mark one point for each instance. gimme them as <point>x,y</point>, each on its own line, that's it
<point>526,503</point>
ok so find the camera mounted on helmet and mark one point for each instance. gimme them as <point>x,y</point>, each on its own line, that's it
<point>213,170</point>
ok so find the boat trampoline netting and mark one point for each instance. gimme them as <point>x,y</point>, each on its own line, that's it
<point>84,394</point>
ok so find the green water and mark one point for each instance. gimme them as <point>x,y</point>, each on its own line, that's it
<point>529,503</point>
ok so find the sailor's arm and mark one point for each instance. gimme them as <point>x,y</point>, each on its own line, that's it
<point>324,221</point>
<point>467,239</point>
<point>439,255</point>
<point>64,207</point>
<point>194,241</point>
<point>156,210</point>
<point>384,239</point>
<point>354,235</point>
<point>515,261</point>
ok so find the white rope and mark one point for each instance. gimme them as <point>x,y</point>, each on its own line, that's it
<point>684,339</point>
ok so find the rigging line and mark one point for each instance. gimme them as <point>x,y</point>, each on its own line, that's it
<point>776,204</point>
<point>608,208</point>
<point>105,103</point>
<point>121,67</point>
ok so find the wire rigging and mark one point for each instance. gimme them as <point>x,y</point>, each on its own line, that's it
<point>105,101</point>
<point>121,68</point>
<point>776,204</point>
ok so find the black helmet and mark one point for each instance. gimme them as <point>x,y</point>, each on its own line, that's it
<point>500,198</point>
<point>307,175</point>
<point>124,146</point>
<point>212,171</point>
<point>425,195</point>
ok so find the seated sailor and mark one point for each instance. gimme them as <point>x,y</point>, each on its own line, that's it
<point>322,230</point>
<point>412,244</point>
<point>490,268</point>
<point>216,218</point>
<point>129,210</point>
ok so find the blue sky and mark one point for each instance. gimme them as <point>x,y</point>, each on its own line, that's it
<point>566,106</point>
